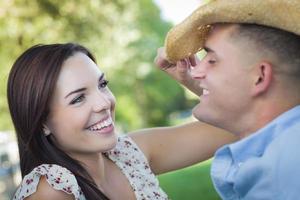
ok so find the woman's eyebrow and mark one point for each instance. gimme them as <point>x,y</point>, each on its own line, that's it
<point>75,91</point>
<point>83,89</point>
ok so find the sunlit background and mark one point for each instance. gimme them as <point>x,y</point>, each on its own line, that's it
<point>124,36</point>
<point>177,10</point>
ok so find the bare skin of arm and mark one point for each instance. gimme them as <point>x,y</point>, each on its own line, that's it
<point>171,148</point>
<point>46,192</point>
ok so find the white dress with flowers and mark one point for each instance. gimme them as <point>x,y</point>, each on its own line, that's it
<point>126,155</point>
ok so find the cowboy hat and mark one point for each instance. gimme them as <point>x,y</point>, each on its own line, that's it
<point>188,37</point>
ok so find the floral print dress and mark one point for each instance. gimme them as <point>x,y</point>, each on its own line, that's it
<point>126,155</point>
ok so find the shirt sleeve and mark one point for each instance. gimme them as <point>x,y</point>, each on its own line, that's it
<point>58,177</point>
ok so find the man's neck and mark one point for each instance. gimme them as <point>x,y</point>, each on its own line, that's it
<point>263,114</point>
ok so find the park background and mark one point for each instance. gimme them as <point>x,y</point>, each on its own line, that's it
<point>124,35</point>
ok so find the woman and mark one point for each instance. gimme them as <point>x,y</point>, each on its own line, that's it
<point>63,113</point>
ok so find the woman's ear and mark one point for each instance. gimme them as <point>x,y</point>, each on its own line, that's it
<point>46,130</point>
<point>262,78</point>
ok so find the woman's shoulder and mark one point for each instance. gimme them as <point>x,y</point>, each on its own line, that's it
<point>125,147</point>
<point>49,179</point>
<point>132,162</point>
<point>126,151</point>
<point>47,192</point>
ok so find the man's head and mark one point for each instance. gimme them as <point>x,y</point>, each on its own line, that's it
<point>189,36</point>
<point>247,69</point>
<point>250,74</point>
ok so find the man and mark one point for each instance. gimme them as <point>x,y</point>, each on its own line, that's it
<point>250,78</point>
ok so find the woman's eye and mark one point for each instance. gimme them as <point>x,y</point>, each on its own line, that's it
<point>77,99</point>
<point>102,84</point>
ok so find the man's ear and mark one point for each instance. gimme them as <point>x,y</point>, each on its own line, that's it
<point>263,74</point>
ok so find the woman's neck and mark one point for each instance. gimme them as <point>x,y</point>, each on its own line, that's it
<point>95,164</point>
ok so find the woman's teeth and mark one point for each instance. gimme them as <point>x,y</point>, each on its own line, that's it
<point>101,125</point>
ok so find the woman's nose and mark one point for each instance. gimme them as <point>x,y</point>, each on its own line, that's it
<point>101,102</point>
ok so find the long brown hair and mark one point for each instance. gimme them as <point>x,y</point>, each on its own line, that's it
<point>31,84</point>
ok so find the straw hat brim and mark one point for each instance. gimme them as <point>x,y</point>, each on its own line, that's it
<point>188,37</point>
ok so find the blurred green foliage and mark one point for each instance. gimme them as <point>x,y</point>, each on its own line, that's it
<point>191,183</point>
<point>124,36</point>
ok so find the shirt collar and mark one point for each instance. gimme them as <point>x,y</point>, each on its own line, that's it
<point>256,143</point>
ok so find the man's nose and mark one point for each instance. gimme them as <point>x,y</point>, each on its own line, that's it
<point>199,71</point>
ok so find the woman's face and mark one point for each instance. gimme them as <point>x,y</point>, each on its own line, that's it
<point>81,118</point>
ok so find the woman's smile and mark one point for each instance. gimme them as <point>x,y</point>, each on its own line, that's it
<point>103,126</point>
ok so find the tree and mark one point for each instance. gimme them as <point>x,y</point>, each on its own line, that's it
<point>124,36</point>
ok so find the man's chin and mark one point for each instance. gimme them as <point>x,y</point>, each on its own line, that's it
<point>197,112</point>
<point>202,114</point>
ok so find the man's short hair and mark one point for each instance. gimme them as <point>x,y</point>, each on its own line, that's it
<point>285,46</point>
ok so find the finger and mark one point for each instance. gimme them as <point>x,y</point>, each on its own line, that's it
<point>156,62</point>
<point>192,60</point>
<point>182,66</point>
<point>160,60</point>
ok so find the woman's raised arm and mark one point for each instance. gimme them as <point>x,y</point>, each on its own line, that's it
<point>171,148</point>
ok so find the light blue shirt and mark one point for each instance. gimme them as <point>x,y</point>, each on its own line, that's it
<point>264,165</point>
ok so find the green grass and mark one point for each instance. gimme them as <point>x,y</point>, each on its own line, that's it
<point>192,183</point>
